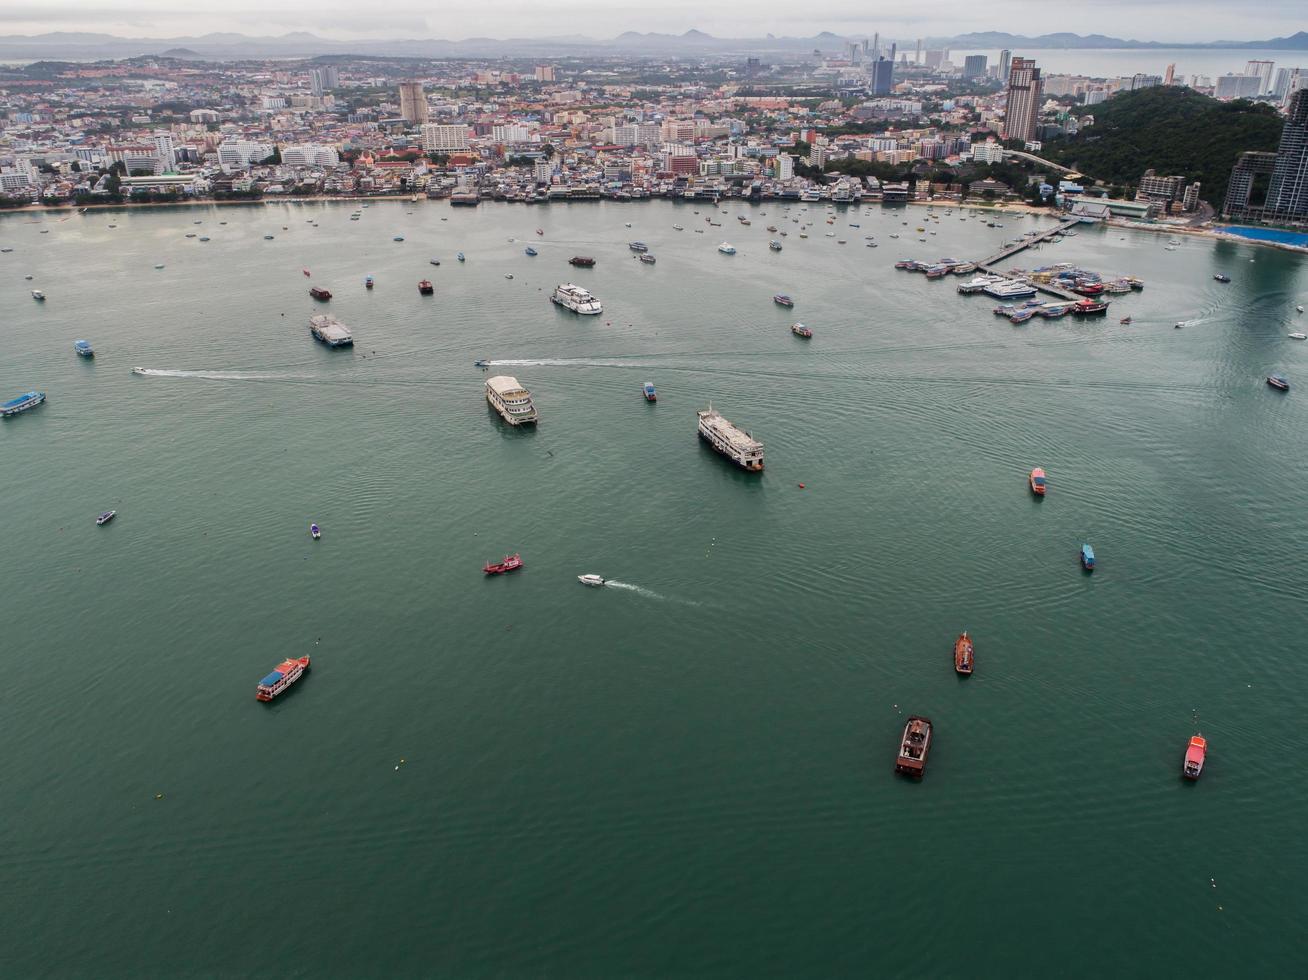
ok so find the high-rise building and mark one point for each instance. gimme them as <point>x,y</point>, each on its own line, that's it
<point>917,54</point>
<point>1140,80</point>
<point>1287,194</point>
<point>163,149</point>
<point>324,79</point>
<point>1025,93</point>
<point>1169,76</point>
<point>544,73</point>
<point>974,66</point>
<point>1250,164</point>
<point>934,59</point>
<point>1005,59</point>
<point>883,76</point>
<point>1237,86</point>
<point>413,103</point>
<point>1263,69</point>
<point>442,139</point>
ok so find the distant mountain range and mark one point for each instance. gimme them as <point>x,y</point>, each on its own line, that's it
<point>229,47</point>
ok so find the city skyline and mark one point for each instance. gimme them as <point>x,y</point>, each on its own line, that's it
<point>1203,21</point>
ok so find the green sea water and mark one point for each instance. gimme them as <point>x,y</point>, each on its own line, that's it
<point>688,773</point>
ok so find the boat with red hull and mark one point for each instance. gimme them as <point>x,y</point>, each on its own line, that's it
<point>914,746</point>
<point>964,656</point>
<point>509,564</point>
<point>318,293</point>
<point>1039,483</point>
<point>1194,757</point>
<point>286,673</point>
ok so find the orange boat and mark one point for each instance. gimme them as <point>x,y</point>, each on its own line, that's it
<point>1038,482</point>
<point>1194,756</point>
<point>964,657</point>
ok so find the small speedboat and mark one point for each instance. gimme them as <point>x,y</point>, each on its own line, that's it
<point>398,238</point>
<point>434,261</point>
<point>84,348</point>
<point>1278,382</point>
<point>509,564</point>
<point>1194,757</point>
<point>648,390</point>
<point>106,517</point>
<point>1038,481</point>
<point>307,273</point>
<point>964,659</point>
<point>1087,557</point>
<point>529,250</point>
<point>481,363</point>
<point>590,580</point>
<point>1221,278</point>
<point>775,245</point>
<point>315,531</point>
<point>268,238</point>
<point>459,256</point>
<point>726,248</point>
<point>368,283</point>
<point>38,295</point>
<point>1298,336</point>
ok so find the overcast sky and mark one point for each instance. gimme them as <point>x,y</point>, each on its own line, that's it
<point>1147,20</point>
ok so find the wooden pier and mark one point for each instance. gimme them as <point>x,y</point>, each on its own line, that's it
<point>1008,251</point>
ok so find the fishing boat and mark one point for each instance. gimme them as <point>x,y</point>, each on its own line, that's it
<point>22,403</point>
<point>286,673</point>
<point>914,745</point>
<point>38,295</point>
<point>84,348</point>
<point>1087,557</point>
<point>638,246</point>
<point>1221,278</point>
<point>509,564</point>
<point>106,517</point>
<point>1089,307</point>
<point>315,531</point>
<point>726,248</point>
<point>781,299</point>
<point>1278,382</point>
<point>434,261</point>
<point>529,250</point>
<point>318,293</point>
<point>1038,481</point>
<point>368,283</point>
<point>964,658</point>
<point>799,330</point>
<point>648,390</point>
<point>647,258</point>
<point>583,261</point>
<point>425,287</point>
<point>594,580</point>
<point>1194,757</point>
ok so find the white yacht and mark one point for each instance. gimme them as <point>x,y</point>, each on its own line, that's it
<point>590,579</point>
<point>1009,289</point>
<point>510,399</point>
<point>735,444</point>
<point>330,331</point>
<point>576,299</point>
<point>726,248</point>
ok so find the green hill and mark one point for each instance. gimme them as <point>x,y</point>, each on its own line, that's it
<point>1172,129</point>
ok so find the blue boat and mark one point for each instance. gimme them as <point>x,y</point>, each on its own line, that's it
<point>529,250</point>
<point>84,348</point>
<point>650,394</point>
<point>1087,558</point>
<point>22,403</point>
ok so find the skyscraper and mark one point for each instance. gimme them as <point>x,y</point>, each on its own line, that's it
<point>1004,57</point>
<point>1287,194</point>
<point>883,76</point>
<point>974,66</point>
<point>1025,93</point>
<point>413,102</point>
<point>1169,77</point>
<point>1263,69</point>
<point>324,79</point>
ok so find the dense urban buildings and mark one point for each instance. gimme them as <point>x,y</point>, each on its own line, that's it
<point>1025,90</point>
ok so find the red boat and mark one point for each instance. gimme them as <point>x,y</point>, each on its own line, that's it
<point>317,292</point>
<point>1038,482</point>
<point>509,563</point>
<point>1088,288</point>
<point>1194,757</point>
<point>306,272</point>
<point>914,746</point>
<point>964,658</point>
<point>1087,307</point>
<point>425,287</point>
<point>581,261</point>
<point>286,674</point>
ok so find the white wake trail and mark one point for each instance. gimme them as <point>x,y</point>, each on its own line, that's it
<point>218,375</point>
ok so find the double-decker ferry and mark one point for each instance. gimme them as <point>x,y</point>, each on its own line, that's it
<point>22,403</point>
<point>576,299</point>
<point>735,444</point>
<point>330,331</point>
<point>286,674</point>
<point>510,399</point>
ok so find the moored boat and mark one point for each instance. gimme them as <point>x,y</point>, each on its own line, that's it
<point>647,258</point>
<point>1087,557</point>
<point>964,659</point>
<point>330,331</point>
<point>22,403</point>
<point>318,293</point>
<point>509,564</point>
<point>781,299</point>
<point>648,390</point>
<point>529,250</point>
<point>914,745</point>
<point>460,256</point>
<point>774,245</point>
<point>38,295</point>
<point>286,673</point>
<point>1194,757</point>
<point>368,283</point>
<point>583,261</point>
<point>84,348</point>
<point>573,297</point>
<point>799,330</point>
<point>735,444</point>
<point>1038,481</point>
<point>1278,382</point>
<point>638,246</point>
<point>425,287</point>
<point>726,248</point>
<point>315,531</point>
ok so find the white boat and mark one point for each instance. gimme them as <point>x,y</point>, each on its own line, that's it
<point>330,331</point>
<point>576,299</point>
<point>38,295</point>
<point>510,399</point>
<point>735,444</point>
<point>590,580</point>
<point>726,248</point>
<point>1298,336</point>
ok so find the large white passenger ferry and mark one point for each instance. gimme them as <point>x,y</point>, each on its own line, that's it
<point>576,299</point>
<point>330,331</point>
<point>738,446</point>
<point>510,399</point>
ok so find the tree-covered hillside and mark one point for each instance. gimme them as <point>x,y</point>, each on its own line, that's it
<point>1172,129</point>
